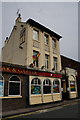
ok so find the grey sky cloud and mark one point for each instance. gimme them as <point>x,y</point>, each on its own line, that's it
<point>61,17</point>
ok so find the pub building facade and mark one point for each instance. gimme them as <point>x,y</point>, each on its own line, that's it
<point>31,71</point>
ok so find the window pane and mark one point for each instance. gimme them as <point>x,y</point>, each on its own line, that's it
<point>47,82</point>
<point>14,78</point>
<point>46,89</point>
<point>1,78</point>
<point>35,58</point>
<point>72,86</point>
<point>35,34</point>
<point>53,43</point>
<point>46,39</point>
<point>46,61</point>
<point>36,81</point>
<point>35,89</point>
<point>14,88</point>
<point>1,88</point>
<point>56,86</point>
<point>55,63</point>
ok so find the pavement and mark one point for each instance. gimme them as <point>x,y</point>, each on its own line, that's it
<point>33,108</point>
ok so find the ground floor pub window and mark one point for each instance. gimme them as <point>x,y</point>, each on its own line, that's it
<point>14,86</point>
<point>56,86</point>
<point>36,86</point>
<point>72,86</point>
<point>47,86</point>
<point>1,86</point>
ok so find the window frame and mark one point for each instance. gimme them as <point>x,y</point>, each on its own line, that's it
<point>55,63</point>
<point>35,34</point>
<point>36,62</point>
<point>54,84</point>
<point>3,85</point>
<point>22,36</point>
<point>74,85</point>
<point>14,82</point>
<point>46,39</point>
<point>47,61</point>
<point>47,85</point>
<point>54,43</point>
<point>39,85</point>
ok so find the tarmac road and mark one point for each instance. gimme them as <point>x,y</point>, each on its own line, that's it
<point>64,111</point>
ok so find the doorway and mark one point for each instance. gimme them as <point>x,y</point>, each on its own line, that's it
<point>65,92</point>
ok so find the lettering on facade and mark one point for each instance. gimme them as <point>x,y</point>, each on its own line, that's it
<point>29,72</point>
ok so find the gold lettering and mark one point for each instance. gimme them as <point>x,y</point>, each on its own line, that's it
<point>13,70</point>
<point>7,69</point>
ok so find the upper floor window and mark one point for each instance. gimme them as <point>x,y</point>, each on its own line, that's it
<point>46,61</point>
<point>36,86</point>
<point>55,63</point>
<point>53,43</point>
<point>46,39</point>
<point>14,86</point>
<point>35,34</point>
<point>35,58</point>
<point>22,36</point>
<point>1,86</point>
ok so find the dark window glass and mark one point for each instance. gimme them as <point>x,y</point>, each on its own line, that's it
<point>14,78</point>
<point>46,89</point>
<point>46,86</point>
<point>1,78</point>
<point>55,63</point>
<point>46,61</point>
<point>14,88</point>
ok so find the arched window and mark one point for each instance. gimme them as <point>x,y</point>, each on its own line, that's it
<point>47,86</point>
<point>35,86</point>
<point>14,86</point>
<point>56,86</point>
<point>1,86</point>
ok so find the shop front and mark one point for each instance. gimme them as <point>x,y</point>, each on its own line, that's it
<point>21,86</point>
<point>44,89</point>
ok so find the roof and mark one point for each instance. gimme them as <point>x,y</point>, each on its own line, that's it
<point>43,28</point>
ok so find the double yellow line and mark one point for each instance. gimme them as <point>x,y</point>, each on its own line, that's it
<point>48,109</point>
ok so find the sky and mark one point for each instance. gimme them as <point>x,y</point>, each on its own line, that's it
<point>60,17</point>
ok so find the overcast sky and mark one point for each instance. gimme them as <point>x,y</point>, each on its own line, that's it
<point>61,17</point>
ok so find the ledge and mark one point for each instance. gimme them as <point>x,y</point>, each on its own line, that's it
<point>10,97</point>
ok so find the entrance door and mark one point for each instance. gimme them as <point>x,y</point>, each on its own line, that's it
<point>65,93</point>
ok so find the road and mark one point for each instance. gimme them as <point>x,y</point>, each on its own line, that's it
<point>64,111</point>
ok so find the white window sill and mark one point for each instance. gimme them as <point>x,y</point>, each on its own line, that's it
<point>10,97</point>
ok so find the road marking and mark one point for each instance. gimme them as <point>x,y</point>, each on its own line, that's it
<point>40,111</point>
